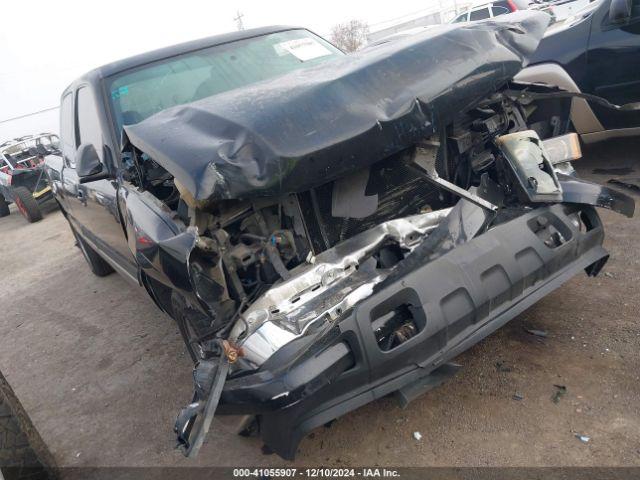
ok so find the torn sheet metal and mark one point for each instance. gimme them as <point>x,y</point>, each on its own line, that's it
<point>163,250</point>
<point>194,421</point>
<point>575,190</point>
<point>314,125</point>
<point>463,222</point>
<point>333,282</point>
<point>154,238</point>
<point>629,183</point>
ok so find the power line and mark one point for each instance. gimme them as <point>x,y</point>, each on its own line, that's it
<point>28,114</point>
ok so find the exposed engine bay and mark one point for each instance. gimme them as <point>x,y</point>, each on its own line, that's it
<point>310,279</point>
<point>268,271</point>
<point>282,260</point>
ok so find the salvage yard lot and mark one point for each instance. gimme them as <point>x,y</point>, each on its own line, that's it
<point>103,373</point>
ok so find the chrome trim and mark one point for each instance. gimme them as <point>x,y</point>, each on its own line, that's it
<point>325,287</point>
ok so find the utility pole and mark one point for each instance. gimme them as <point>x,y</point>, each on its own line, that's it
<point>238,19</point>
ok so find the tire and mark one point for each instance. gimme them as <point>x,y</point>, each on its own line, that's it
<point>192,325</point>
<point>27,205</point>
<point>23,454</point>
<point>97,264</point>
<point>4,207</point>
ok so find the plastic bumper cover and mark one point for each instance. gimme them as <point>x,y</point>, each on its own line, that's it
<point>457,299</point>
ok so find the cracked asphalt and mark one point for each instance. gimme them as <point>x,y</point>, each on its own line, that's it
<point>103,373</point>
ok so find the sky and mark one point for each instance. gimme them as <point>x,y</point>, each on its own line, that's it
<point>45,44</point>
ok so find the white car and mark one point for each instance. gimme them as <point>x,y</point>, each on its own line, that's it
<point>560,10</point>
<point>490,10</point>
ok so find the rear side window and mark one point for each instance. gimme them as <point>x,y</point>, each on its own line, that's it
<point>480,14</point>
<point>67,133</point>
<point>88,124</point>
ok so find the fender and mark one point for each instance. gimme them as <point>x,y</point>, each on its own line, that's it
<point>582,116</point>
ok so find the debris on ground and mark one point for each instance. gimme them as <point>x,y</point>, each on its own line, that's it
<point>417,436</point>
<point>613,171</point>
<point>583,438</point>
<point>501,366</point>
<point>608,274</point>
<point>537,333</point>
<point>629,183</point>
<point>517,396</point>
<point>561,390</point>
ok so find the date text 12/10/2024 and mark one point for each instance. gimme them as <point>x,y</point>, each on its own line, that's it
<point>320,472</point>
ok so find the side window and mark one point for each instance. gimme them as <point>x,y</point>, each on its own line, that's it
<point>88,123</point>
<point>67,133</point>
<point>500,10</point>
<point>480,14</point>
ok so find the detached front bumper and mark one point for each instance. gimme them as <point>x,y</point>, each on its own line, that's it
<point>454,301</point>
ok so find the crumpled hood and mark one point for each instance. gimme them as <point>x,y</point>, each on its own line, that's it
<point>314,125</point>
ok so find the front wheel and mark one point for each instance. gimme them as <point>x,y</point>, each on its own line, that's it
<point>27,205</point>
<point>97,264</point>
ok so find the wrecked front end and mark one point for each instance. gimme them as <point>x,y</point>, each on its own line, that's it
<point>318,264</point>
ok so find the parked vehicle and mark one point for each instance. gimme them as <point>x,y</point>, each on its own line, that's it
<point>595,52</point>
<point>560,9</point>
<point>490,10</point>
<point>22,178</point>
<point>328,229</point>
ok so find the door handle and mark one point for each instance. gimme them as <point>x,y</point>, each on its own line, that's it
<point>81,197</point>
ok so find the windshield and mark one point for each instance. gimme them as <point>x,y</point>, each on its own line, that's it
<point>138,94</point>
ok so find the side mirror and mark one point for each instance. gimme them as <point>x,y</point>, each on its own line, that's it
<point>619,11</point>
<point>87,160</point>
<point>88,164</point>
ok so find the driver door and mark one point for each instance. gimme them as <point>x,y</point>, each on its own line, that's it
<point>94,206</point>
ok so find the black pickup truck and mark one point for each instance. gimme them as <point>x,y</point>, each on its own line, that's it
<point>327,229</point>
<point>597,52</point>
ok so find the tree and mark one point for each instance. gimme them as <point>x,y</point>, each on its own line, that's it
<point>350,36</point>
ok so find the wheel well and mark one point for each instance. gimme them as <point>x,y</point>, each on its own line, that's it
<point>582,116</point>
<point>160,293</point>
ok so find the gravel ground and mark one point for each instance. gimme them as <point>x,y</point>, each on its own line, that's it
<point>103,373</point>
